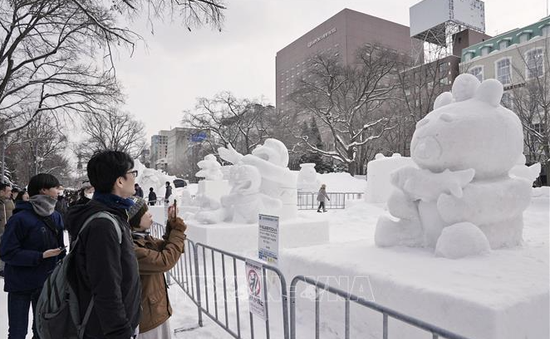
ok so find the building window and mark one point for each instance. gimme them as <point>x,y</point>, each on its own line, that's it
<point>546,30</point>
<point>477,72</point>
<point>504,71</point>
<point>507,100</point>
<point>535,63</point>
<point>524,37</point>
<point>468,56</point>
<point>485,50</point>
<point>503,44</point>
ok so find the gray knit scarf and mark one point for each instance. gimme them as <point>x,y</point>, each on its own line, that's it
<point>43,205</point>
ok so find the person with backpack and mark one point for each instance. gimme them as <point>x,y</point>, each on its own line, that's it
<point>31,246</point>
<point>155,257</point>
<point>103,272</point>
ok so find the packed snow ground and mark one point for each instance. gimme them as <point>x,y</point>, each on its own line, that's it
<point>351,231</point>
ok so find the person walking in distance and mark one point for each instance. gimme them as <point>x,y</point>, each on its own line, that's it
<point>167,193</point>
<point>6,209</point>
<point>321,198</point>
<point>105,272</point>
<point>152,198</point>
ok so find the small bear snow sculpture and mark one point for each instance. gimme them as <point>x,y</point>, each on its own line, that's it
<point>464,150</point>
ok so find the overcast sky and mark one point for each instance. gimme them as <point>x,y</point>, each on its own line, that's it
<point>176,66</point>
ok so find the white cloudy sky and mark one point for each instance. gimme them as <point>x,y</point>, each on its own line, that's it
<point>165,77</point>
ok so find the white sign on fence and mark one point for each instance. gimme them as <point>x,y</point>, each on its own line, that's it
<point>268,238</point>
<point>256,297</point>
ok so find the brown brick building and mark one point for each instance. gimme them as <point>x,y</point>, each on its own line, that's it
<point>342,34</point>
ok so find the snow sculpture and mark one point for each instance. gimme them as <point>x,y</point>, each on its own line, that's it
<point>245,200</point>
<point>277,181</point>
<point>210,168</point>
<point>464,150</point>
<point>149,177</point>
<point>308,180</point>
<point>379,187</point>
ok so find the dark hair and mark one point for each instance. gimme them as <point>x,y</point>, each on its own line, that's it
<point>3,186</point>
<point>105,167</point>
<point>19,196</point>
<point>168,183</point>
<point>40,181</point>
<point>151,189</point>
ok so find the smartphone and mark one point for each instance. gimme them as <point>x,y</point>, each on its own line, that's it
<point>63,248</point>
<point>175,207</point>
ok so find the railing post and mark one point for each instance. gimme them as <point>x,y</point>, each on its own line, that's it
<point>197,282</point>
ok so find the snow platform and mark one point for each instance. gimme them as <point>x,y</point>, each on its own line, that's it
<point>502,295</point>
<point>299,232</point>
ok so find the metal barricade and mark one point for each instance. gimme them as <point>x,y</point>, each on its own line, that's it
<point>308,200</point>
<point>218,291</point>
<point>387,313</point>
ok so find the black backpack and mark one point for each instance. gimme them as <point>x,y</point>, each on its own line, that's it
<point>57,310</point>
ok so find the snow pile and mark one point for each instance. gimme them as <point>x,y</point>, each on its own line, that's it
<point>308,179</point>
<point>464,149</point>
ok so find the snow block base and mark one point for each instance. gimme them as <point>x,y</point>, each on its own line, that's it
<point>244,237</point>
<point>503,295</point>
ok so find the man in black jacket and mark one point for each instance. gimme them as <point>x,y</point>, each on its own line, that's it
<point>103,267</point>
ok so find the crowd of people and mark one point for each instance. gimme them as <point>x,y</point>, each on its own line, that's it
<point>117,268</point>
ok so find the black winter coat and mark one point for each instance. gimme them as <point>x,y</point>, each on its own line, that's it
<point>107,269</point>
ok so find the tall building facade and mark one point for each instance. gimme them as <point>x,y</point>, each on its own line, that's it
<point>159,148</point>
<point>177,151</point>
<point>519,60</point>
<point>342,35</point>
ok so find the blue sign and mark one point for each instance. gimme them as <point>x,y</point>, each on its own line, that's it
<point>201,136</point>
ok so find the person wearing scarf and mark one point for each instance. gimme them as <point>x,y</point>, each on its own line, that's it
<point>31,247</point>
<point>155,257</point>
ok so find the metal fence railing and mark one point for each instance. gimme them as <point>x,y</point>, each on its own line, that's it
<point>387,313</point>
<point>308,200</point>
<point>215,280</point>
<point>222,288</point>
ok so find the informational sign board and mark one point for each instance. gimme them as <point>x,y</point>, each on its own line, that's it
<point>268,238</point>
<point>256,296</point>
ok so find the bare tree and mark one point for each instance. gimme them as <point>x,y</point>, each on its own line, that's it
<point>241,123</point>
<point>115,130</point>
<point>419,86</point>
<point>349,102</point>
<point>36,149</point>
<point>49,52</point>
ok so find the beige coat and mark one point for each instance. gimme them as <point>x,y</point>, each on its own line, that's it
<point>156,256</point>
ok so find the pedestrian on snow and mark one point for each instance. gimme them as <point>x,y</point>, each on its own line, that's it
<point>21,196</point>
<point>85,194</point>
<point>155,257</point>
<point>31,247</point>
<point>139,191</point>
<point>168,192</point>
<point>6,211</point>
<point>14,192</point>
<point>104,267</point>
<point>62,204</point>
<point>152,198</point>
<point>321,197</point>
